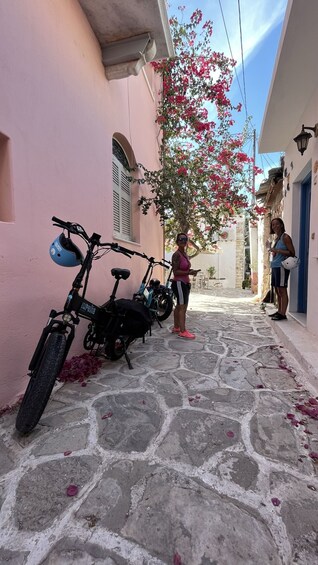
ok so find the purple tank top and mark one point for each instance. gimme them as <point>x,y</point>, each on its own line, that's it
<point>184,265</point>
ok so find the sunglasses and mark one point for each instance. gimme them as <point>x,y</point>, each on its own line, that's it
<point>183,239</point>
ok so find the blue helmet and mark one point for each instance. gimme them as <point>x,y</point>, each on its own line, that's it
<point>65,253</point>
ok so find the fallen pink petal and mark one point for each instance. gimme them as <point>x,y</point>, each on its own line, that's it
<point>313,455</point>
<point>276,501</point>
<point>108,415</point>
<point>230,433</point>
<point>313,401</point>
<point>72,490</point>
<point>177,559</point>
<point>66,453</point>
<point>290,416</point>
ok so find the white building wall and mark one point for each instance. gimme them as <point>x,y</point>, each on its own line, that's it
<point>297,168</point>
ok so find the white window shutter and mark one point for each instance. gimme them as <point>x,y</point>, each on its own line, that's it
<point>121,201</point>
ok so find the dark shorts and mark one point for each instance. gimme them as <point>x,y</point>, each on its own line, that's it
<point>280,277</point>
<point>181,291</point>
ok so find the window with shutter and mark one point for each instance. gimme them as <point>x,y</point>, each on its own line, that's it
<point>121,193</point>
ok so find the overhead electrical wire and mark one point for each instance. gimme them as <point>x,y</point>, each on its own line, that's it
<point>242,55</point>
<point>230,48</point>
<point>266,157</point>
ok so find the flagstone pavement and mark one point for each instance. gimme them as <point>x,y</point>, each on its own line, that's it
<point>205,453</point>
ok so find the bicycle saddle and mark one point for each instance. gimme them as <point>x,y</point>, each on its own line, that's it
<point>120,273</point>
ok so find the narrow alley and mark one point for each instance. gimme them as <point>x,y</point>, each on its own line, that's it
<point>205,453</point>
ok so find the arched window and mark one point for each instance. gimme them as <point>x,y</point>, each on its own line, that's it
<point>122,223</point>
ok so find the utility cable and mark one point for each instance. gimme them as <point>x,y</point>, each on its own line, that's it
<point>230,48</point>
<point>242,56</point>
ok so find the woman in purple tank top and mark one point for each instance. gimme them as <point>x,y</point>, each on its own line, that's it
<point>181,286</point>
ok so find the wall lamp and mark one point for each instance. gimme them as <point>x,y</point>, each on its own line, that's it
<point>303,138</point>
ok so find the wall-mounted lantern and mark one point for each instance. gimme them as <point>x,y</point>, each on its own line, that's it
<point>303,138</point>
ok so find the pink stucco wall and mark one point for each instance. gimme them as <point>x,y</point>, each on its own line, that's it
<point>60,113</point>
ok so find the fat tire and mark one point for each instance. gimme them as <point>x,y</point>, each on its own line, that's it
<point>41,383</point>
<point>168,306</point>
<point>115,352</point>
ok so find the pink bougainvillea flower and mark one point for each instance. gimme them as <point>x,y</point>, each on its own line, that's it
<point>313,455</point>
<point>275,501</point>
<point>230,433</point>
<point>290,416</point>
<point>66,453</point>
<point>108,415</point>
<point>313,401</point>
<point>177,559</point>
<point>182,171</point>
<point>306,446</point>
<point>72,490</point>
<point>79,368</point>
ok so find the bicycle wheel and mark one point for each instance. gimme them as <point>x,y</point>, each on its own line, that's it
<point>165,306</point>
<point>41,383</point>
<point>116,347</point>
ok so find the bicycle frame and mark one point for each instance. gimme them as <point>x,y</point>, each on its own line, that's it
<point>143,290</point>
<point>147,291</point>
<point>76,305</point>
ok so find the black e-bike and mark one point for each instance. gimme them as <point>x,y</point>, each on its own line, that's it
<point>113,326</point>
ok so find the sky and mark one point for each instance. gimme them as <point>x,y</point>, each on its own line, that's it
<point>261,24</point>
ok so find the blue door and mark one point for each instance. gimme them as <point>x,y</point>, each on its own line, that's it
<point>304,244</point>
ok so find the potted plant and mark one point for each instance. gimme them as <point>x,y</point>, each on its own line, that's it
<point>211,272</point>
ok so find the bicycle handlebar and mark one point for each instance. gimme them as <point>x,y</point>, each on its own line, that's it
<point>77,229</point>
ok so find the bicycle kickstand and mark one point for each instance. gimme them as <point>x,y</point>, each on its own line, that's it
<point>128,360</point>
<point>158,322</point>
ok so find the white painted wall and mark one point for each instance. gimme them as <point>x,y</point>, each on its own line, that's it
<point>298,168</point>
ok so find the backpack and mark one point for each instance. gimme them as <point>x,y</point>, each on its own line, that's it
<point>134,318</point>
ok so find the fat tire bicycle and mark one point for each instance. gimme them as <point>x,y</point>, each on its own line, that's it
<point>163,293</point>
<point>152,294</point>
<point>113,326</point>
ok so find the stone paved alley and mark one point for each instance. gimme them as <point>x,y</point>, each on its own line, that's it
<point>203,459</point>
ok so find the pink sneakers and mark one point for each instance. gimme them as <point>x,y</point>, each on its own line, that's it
<point>187,335</point>
<point>175,330</point>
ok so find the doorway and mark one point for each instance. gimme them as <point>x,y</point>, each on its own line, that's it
<point>304,228</point>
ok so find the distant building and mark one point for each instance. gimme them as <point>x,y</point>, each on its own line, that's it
<point>228,260</point>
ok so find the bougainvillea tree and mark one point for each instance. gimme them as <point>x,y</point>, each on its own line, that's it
<point>205,174</point>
